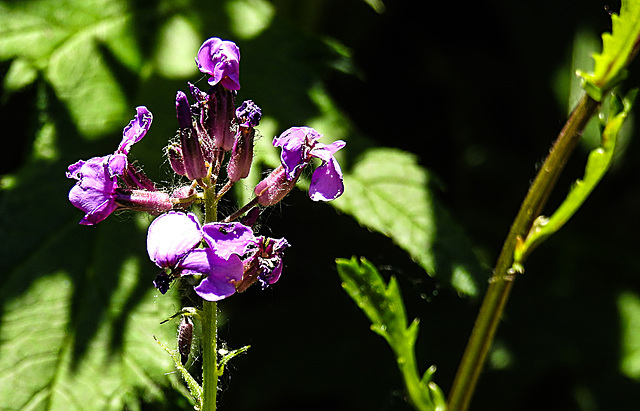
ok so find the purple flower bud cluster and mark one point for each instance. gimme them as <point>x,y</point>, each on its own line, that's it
<point>223,257</point>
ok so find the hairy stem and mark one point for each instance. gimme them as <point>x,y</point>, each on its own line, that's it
<point>504,275</point>
<point>209,355</point>
<point>209,324</point>
<point>242,210</point>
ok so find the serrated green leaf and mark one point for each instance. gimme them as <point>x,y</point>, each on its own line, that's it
<point>194,388</point>
<point>598,164</point>
<point>76,46</point>
<point>382,303</point>
<point>618,48</point>
<point>389,192</point>
<point>43,365</point>
<point>79,310</point>
<point>365,286</point>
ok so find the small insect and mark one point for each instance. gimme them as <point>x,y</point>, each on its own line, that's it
<point>185,336</point>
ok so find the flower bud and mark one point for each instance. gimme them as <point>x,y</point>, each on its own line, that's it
<point>174,154</point>
<point>273,188</point>
<point>194,164</point>
<point>185,336</point>
<point>200,115</point>
<point>248,115</point>
<point>135,178</point>
<point>183,197</point>
<point>152,202</point>
<point>242,155</point>
<point>221,115</point>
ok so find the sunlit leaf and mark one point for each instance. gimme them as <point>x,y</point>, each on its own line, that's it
<point>618,47</point>
<point>598,163</point>
<point>389,192</point>
<point>629,309</point>
<point>382,303</point>
<point>76,46</point>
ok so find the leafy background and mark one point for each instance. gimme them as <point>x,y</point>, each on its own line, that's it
<point>446,112</point>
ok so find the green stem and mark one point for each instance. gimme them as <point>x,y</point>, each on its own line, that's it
<point>242,210</point>
<point>504,274</point>
<point>209,323</point>
<point>418,394</point>
<point>209,355</point>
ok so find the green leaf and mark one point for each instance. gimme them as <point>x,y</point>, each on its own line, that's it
<point>389,192</point>
<point>194,388</point>
<point>382,303</point>
<point>79,310</point>
<point>78,47</point>
<point>629,309</point>
<point>598,163</point>
<point>48,361</point>
<point>618,47</point>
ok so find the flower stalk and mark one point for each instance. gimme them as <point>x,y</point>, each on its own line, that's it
<point>505,272</point>
<point>210,323</point>
<point>209,355</point>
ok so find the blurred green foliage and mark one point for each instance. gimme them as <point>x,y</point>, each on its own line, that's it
<point>468,105</point>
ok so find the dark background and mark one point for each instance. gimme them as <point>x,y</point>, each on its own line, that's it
<point>471,90</point>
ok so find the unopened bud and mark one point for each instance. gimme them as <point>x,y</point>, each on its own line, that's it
<point>174,154</point>
<point>152,202</point>
<point>183,197</point>
<point>242,155</point>
<point>273,188</point>
<point>221,117</point>
<point>194,164</point>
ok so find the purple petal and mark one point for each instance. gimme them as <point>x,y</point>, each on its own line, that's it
<point>73,171</point>
<point>278,249</point>
<point>221,60</point>
<point>248,114</point>
<point>222,274</point>
<point>275,274</point>
<point>325,152</point>
<point>293,157</point>
<point>295,143</point>
<point>117,164</point>
<point>94,193</point>
<point>228,238</point>
<point>135,130</point>
<point>326,181</point>
<point>171,236</point>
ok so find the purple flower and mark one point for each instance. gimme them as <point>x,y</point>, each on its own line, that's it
<point>264,264</point>
<point>96,193</point>
<point>261,256</point>
<point>299,146</point>
<point>221,60</point>
<point>172,243</point>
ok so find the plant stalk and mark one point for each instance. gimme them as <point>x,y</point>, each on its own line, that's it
<point>504,275</point>
<point>209,323</point>
<point>209,355</point>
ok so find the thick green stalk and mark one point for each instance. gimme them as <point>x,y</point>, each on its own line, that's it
<point>504,275</point>
<point>209,356</point>
<point>209,324</point>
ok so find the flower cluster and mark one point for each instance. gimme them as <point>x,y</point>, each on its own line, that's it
<point>223,257</point>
